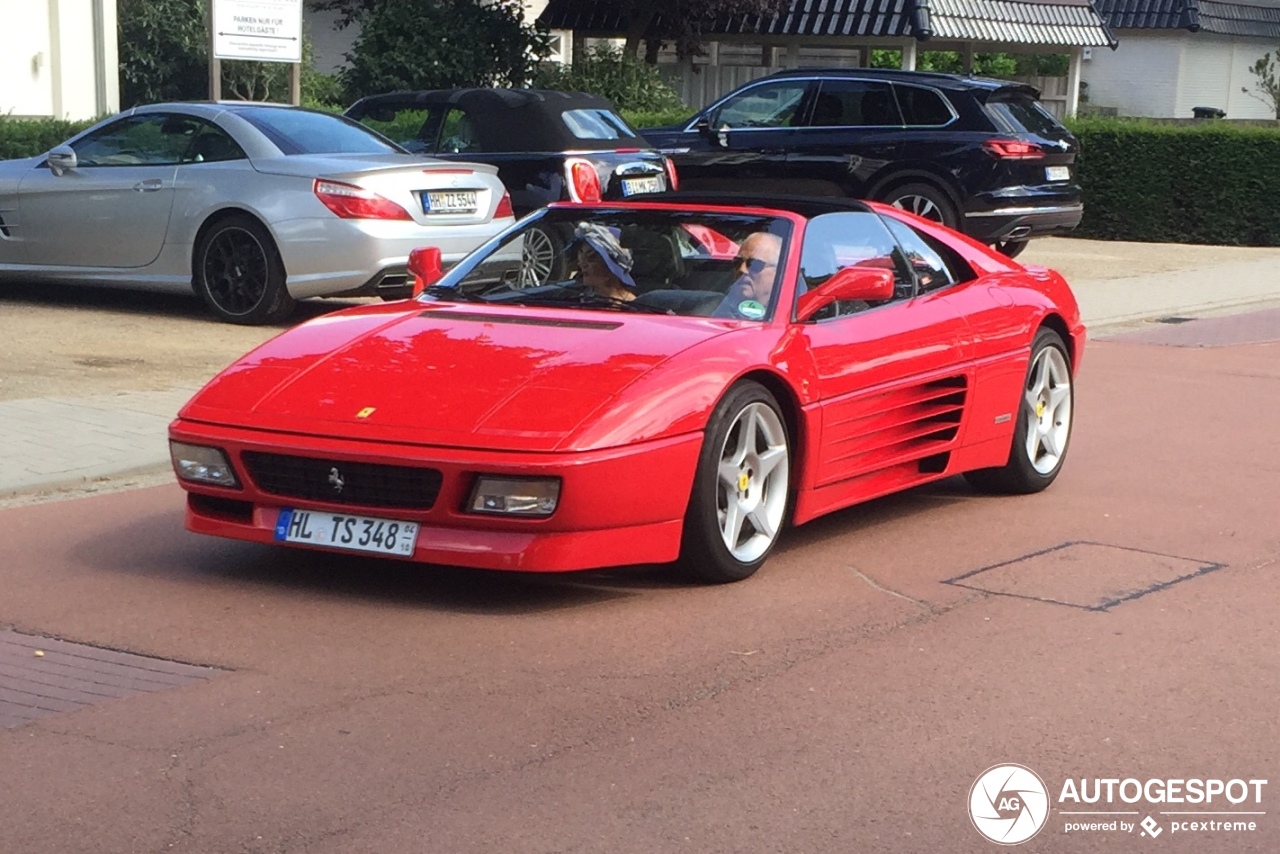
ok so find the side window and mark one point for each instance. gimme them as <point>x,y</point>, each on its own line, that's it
<point>769,105</point>
<point>154,139</point>
<point>923,107</point>
<point>837,240</point>
<point>211,144</point>
<point>458,133</point>
<point>930,269</point>
<point>854,103</point>
<point>404,126</point>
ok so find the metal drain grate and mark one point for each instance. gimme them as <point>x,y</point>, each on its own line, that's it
<point>42,676</point>
<point>1174,319</point>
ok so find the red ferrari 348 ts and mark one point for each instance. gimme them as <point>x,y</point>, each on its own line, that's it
<point>712,369</point>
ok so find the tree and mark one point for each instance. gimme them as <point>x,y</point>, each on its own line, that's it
<point>164,45</point>
<point>1267,87</point>
<point>628,83</point>
<point>442,44</point>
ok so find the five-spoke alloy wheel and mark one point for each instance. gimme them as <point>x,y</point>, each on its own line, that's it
<point>1043,429</point>
<point>742,488</point>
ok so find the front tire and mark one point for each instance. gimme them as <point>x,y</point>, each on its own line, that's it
<point>1043,430</point>
<point>741,489</point>
<point>239,274</point>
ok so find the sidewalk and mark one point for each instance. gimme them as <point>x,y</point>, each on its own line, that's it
<point>56,443</point>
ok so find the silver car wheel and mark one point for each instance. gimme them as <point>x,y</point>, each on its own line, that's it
<point>538,259</point>
<point>752,482</point>
<point>920,206</point>
<point>1047,410</point>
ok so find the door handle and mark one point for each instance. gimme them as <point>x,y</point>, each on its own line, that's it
<point>149,186</point>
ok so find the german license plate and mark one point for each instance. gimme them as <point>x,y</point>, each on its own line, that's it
<point>636,186</point>
<point>352,533</point>
<point>1057,173</point>
<point>449,201</point>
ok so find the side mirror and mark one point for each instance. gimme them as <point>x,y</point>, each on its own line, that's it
<point>872,284</point>
<point>426,267</point>
<point>61,159</point>
<point>703,126</point>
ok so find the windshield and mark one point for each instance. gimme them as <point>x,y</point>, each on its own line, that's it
<point>673,262</point>
<point>306,132</point>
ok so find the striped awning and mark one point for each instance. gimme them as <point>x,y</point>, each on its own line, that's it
<point>1013,22</point>
<point>1260,19</point>
<point>1047,22</point>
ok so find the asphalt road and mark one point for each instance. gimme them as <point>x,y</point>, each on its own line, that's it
<point>1120,625</point>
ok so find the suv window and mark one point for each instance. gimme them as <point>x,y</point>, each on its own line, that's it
<point>837,240</point>
<point>769,105</point>
<point>1023,114</point>
<point>923,107</point>
<point>854,103</point>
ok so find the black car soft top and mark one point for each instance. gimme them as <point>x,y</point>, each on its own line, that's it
<point>507,119</point>
<point>806,206</point>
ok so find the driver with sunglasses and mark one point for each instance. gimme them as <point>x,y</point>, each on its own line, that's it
<point>757,266</point>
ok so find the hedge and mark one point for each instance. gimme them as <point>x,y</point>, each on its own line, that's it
<point>28,137</point>
<point>1210,182</point>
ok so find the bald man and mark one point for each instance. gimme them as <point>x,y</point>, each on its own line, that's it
<point>757,268</point>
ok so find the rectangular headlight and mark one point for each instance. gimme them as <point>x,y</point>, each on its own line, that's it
<point>509,496</point>
<point>202,464</point>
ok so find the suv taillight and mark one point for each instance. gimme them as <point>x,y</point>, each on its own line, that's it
<point>351,202</point>
<point>1012,149</point>
<point>584,183</point>
<point>673,180</point>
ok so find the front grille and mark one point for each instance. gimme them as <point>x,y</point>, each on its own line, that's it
<point>343,482</point>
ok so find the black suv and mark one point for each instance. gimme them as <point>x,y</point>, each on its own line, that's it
<point>981,156</point>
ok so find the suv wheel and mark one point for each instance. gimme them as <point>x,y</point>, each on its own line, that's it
<point>1010,248</point>
<point>926,201</point>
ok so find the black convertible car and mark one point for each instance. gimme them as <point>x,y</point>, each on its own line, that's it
<point>548,146</point>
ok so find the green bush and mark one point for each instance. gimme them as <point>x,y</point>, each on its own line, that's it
<point>28,137</point>
<point>656,118</point>
<point>628,83</point>
<point>1210,182</point>
<point>441,44</point>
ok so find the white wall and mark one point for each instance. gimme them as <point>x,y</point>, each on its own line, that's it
<point>1140,77</point>
<point>58,58</point>
<point>26,73</point>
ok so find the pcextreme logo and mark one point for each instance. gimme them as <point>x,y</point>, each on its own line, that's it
<point>1009,804</point>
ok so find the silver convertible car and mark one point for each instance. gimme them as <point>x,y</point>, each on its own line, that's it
<point>253,205</point>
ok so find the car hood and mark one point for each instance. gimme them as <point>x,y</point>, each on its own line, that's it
<point>448,374</point>
<point>344,165</point>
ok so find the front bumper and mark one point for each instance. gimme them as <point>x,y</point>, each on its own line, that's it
<point>618,506</point>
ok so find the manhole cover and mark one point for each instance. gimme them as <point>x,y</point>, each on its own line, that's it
<point>41,676</point>
<point>1092,576</point>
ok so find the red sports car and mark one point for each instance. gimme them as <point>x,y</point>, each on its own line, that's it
<point>668,402</point>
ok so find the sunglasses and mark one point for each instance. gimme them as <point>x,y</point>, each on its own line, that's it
<point>755,266</point>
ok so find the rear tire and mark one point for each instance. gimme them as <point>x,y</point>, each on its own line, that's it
<point>741,491</point>
<point>1043,430</point>
<point>542,259</point>
<point>237,270</point>
<point>1010,248</point>
<point>925,200</point>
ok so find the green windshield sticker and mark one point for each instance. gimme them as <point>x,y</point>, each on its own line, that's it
<point>750,309</point>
